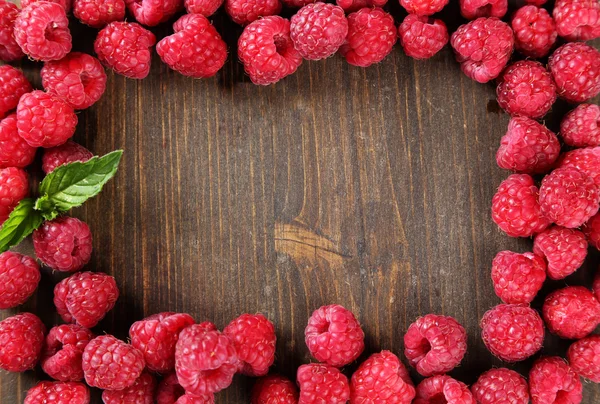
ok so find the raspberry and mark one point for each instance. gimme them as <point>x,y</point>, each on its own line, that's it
<point>551,380</point>
<point>584,357</point>
<point>423,7</point>
<point>501,386</point>
<point>204,7</point>
<point>535,31</point>
<point>58,393</point>
<point>63,244</point>
<point>318,30</point>
<point>443,389</point>
<point>435,344</point>
<point>585,160</point>
<point>254,339</point>
<point>527,147</point>
<point>575,68</point>
<point>153,12</point>
<point>322,384</point>
<point>64,154</point>
<point>66,4</point>
<point>563,249</point>
<point>577,20</point>
<point>205,360</point>
<point>274,389</point>
<point>98,13</point>
<point>482,48</point>
<point>188,398</point>
<point>42,31</point>
<point>61,357</point>
<point>79,79</point>
<point>572,312</point>
<point>14,186</point>
<point>141,392</point>
<point>472,9</point>
<point>125,48</point>
<point>515,207</point>
<point>21,342</point>
<point>10,50</point>
<point>195,49</point>
<point>14,151</point>
<point>422,37</point>
<point>13,85</point>
<point>371,37</point>
<point>267,52</point>
<point>517,278</point>
<point>19,277</point>
<point>44,120</point>
<point>512,332</point>
<point>244,12</point>
<point>349,6</point>
<point>581,126</point>
<point>85,298</point>
<point>334,336</point>
<point>382,379</point>
<point>169,390</point>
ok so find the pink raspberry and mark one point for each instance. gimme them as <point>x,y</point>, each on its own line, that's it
<point>551,380</point>
<point>483,47</point>
<point>515,207</point>
<point>422,37</point>
<point>577,20</point>
<point>349,6</point>
<point>443,389</point>
<point>472,9</point>
<point>64,154</point>
<point>572,312</point>
<point>98,13</point>
<point>14,150</point>
<point>535,31</point>
<point>318,30</point>
<point>575,68</point>
<point>585,160</point>
<point>584,357</point>
<point>322,384</point>
<point>42,31</point>
<point>66,4</point>
<point>125,48</point>
<point>581,126</point>
<point>85,297</point>
<point>21,342</point>
<point>14,186</point>
<point>169,390</point>
<point>517,278</point>
<point>244,12</point>
<point>435,344</point>
<point>63,244</point>
<point>10,51</point>
<point>501,386</point>
<point>140,392</point>
<point>563,249</point>
<point>274,389</point>
<point>423,7</point>
<point>204,7</point>
<point>13,84</point>
<point>19,277</point>
<point>58,393</point>
<point>382,378</point>
<point>512,332</point>
<point>61,357</point>
<point>153,12</point>
<point>267,52</point>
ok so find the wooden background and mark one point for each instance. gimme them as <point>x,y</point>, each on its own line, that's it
<point>370,188</point>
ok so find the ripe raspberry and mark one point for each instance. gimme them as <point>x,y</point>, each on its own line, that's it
<point>14,151</point>
<point>14,186</point>
<point>98,13</point>
<point>435,344</point>
<point>515,207</point>
<point>21,342</point>
<point>482,48</point>
<point>581,126</point>
<point>64,154</point>
<point>423,7</point>
<point>512,332</point>
<point>153,12</point>
<point>267,52</point>
<point>501,386</point>
<point>577,20</point>
<point>517,278</point>
<point>585,160</point>
<point>472,9</point>
<point>572,312</point>
<point>584,357</point>
<point>125,48</point>
<point>205,360</point>
<point>66,4</point>
<point>371,37</point>
<point>63,244</point>
<point>13,85</point>
<point>85,298</point>
<point>382,379</point>
<point>204,7</point>
<point>244,12</point>
<point>188,398</point>
<point>45,120</point>
<point>10,50</point>
<point>422,37</point>
<point>274,389</point>
<point>551,380</point>
<point>141,392</point>
<point>79,79</point>
<point>563,249</point>
<point>349,6</point>
<point>443,389</point>
<point>42,31</point>
<point>575,68</point>
<point>322,384</point>
<point>169,390</point>
<point>195,49</point>
<point>58,393</point>
<point>535,31</point>
<point>19,277</point>
<point>61,357</point>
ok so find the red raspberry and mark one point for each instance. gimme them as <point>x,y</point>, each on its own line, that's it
<point>424,7</point>
<point>483,47</point>
<point>563,249</point>
<point>205,360</point>
<point>141,392</point>
<point>45,120</point>
<point>512,332</point>
<point>274,389</point>
<point>535,31</point>
<point>10,50</point>
<point>42,31</point>
<point>551,380</point>
<point>58,393</point>
<point>61,357</point>
<point>244,12</point>
<point>422,37</point>
<point>204,7</point>
<point>322,384</point>
<point>334,336</point>
<point>64,154</point>
<point>501,386</point>
<point>98,13</point>
<point>575,68</point>
<point>267,52</point>
<point>13,85</point>
<point>14,186</point>
<point>585,160</point>
<point>63,244</point>
<point>584,357</point>
<point>169,390</point>
<point>153,12</point>
<point>125,48</point>
<point>577,20</point>
<point>515,207</point>
<point>349,6</point>
<point>472,9</point>
<point>572,312</point>
<point>581,126</point>
<point>14,151</point>
<point>85,298</point>
<point>517,278</point>
<point>435,344</point>
<point>195,49</point>
<point>19,277</point>
<point>21,342</point>
<point>66,4</point>
<point>382,379</point>
<point>188,398</point>
<point>443,389</point>
<point>318,30</point>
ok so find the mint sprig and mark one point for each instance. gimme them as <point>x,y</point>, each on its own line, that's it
<point>23,220</point>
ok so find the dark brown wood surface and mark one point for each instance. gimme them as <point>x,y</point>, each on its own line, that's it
<point>370,188</point>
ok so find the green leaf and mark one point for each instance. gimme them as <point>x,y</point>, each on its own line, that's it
<point>23,220</point>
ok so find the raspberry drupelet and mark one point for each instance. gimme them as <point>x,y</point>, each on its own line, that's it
<point>274,389</point>
<point>422,37</point>
<point>14,187</point>
<point>322,384</point>
<point>19,278</point>
<point>581,126</point>
<point>21,342</point>
<point>443,388</point>
<point>98,13</point>
<point>61,357</point>
<point>563,249</point>
<point>517,278</point>
<point>575,68</point>
<point>584,357</point>
<point>13,84</point>
<point>153,12</point>
<point>10,51</point>
<point>58,393</point>
<point>204,7</point>
<point>572,312</point>
<point>501,386</point>
<point>551,380</point>
<point>535,31</point>
<point>14,150</point>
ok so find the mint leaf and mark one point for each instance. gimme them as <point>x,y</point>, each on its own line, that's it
<point>23,220</point>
